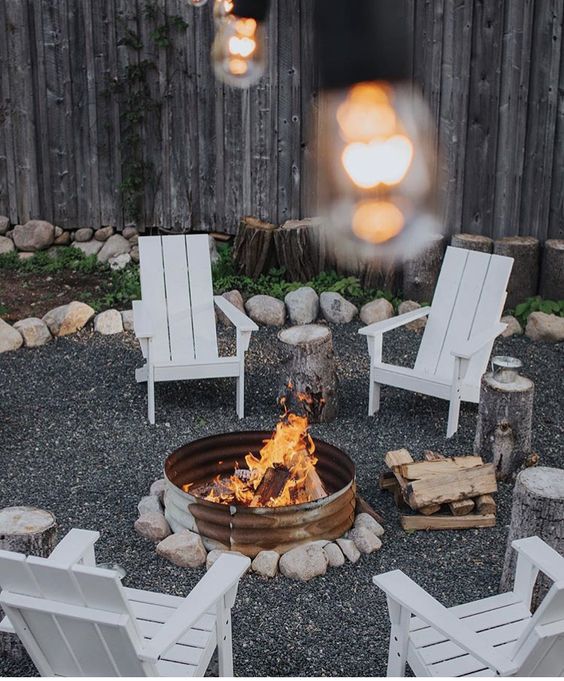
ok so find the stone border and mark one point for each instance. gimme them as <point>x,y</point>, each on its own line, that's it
<point>190,550</point>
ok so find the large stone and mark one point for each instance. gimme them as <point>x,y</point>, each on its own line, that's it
<point>265,563</point>
<point>214,554</point>
<point>83,234</point>
<point>6,245</point>
<point>303,305</point>
<point>513,327</point>
<point>336,309</point>
<point>35,235</point>
<point>10,338</point>
<point>365,541</point>
<point>304,562</point>
<point>67,319</point>
<point>348,547</point>
<point>184,549</point>
<point>4,224</point>
<point>370,523</point>
<point>334,554</point>
<point>119,262</point>
<point>134,253</point>
<point>129,231</point>
<point>376,311</point>
<point>152,526</point>
<point>108,322</point>
<point>127,320</point>
<point>34,331</point>
<point>266,310</point>
<point>89,247</point>
<point>410,306</point>
<point>158,488</point>
<point>545,327</point>
<point>115,245</point>
<point>236,299</point>
<point>63,239</point>
<point>149,504</point>
<point>103,234</point>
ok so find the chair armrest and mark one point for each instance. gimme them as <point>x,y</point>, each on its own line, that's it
<point>74,547</point>
<point>141,320</point>
<point>403,590</point>
<point>224,574</point>
<point>394,322</point>
<point>235,316</point>
<point>470,347</point>
<point>542,556</point>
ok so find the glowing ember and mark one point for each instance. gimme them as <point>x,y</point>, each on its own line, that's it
<point>282,474</point>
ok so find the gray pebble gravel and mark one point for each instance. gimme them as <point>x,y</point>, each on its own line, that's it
<point>74,439</point>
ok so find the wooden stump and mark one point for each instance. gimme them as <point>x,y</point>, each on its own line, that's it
<point>472,242</point>
<point>505,416</point>
<point>538,510</point>
<point>25,530</point>
<point>297,248</point>
<point>552,270</point>
<point>253,252</point>
<point>421,273</point>
<point>309,375</point>
<point>523,282</point>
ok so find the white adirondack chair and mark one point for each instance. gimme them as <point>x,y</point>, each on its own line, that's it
<point>463,322</point>
<point>175,320</point>
<point>495,636</point>
<point>77,620</point>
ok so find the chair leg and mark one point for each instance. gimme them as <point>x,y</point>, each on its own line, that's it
<point>224,641</point>
<point>373,396</point>
<point>453,414</point>
<point>151,394</point>
<point>399,638</point>
<point>241,394</point>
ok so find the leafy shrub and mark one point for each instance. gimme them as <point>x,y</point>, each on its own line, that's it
<point>43,262</point>
<point>537,304</point>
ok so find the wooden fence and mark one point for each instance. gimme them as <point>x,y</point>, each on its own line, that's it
<point>109,113</point>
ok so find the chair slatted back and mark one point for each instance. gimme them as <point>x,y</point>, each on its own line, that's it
<point>539,651</point>
<point>176,287</point>
<point>469,298</point>
<point>74,621</point>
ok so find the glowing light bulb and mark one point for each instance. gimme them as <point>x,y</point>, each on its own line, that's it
<point>377,166</point>
<point>238,51</point>
<point>222,9</point>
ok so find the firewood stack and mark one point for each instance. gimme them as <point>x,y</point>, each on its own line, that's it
<point>446,493</point>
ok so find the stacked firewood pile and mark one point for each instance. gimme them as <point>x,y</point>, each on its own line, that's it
<point>446,493</point>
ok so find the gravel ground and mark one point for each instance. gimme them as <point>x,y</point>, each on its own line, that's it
<point>74,439</point>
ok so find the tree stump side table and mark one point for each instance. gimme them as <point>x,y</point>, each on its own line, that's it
<point>309,374</point>
<point>30,531</point>
<point>538,509</point>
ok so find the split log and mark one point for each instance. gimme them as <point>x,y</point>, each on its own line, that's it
<point>423,469</point>
<point>537,510</point>
<point>31,531</point>
<point>387,480</point>
<point>420,274</point>
<point>446,522</point>
<point>505,416</point>
<point>485,504</point>
<point>552,270</point>
<point>397,457</point>
<point>429,455</point>
<point>462,507</point>
<point>271,486</point>
<point>524,279</point>
<point>309,372</point>
<point>430,510</point>
<point>254,252</point>
<point>472,242</point>
<point>297,248</point>
<point>362,506</point>
<point>442,489</point>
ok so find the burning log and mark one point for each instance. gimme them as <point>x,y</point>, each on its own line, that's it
<point>271,485</point>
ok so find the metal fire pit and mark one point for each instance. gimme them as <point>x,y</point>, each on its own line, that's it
<point>251,530</point>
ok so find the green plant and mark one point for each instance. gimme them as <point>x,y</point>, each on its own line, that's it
<point>119,290</point>
<point>42,262</point>
<point>537,304</point>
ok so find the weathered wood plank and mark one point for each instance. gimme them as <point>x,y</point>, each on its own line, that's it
<point>10,205</point>
<point>419,522</point>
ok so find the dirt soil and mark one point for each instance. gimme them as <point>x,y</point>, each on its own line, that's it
<point>27,294</point>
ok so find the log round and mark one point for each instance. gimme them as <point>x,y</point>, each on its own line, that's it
<point>253,252</point>
<point>309,374</point>
<point>524,279</point>
<point>31,531</point>
<point>552,270</point>
<point>505,418</point>
<point>420,274</point>
<point>538,510</point>
<point>472,242</point>
<point>297,248</point>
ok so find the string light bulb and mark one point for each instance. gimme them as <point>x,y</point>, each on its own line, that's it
<point>375,158</point>
<point>238,50</point>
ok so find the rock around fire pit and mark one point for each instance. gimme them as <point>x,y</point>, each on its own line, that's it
<point>301,540</point>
